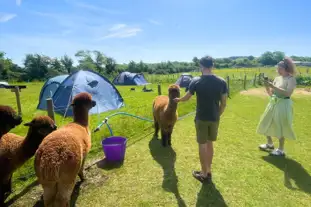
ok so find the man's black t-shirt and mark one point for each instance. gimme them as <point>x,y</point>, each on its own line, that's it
<point>208,89</point>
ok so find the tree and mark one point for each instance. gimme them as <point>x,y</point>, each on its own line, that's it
<point>99,61</point>
<point>56,65</point>
<point>132,67</point>
<point>110,65</point>
<point>267,58</point>
<point>86,60</point>
<point>278,56</point>
<point>195,60</point>
<point>67,63</point>
<point>37,66</point>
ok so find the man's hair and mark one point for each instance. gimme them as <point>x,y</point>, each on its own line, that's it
<point>206,62</point>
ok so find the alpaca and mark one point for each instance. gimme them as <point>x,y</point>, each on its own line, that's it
<point>165,114</point>
<point>61,155</point>
<point>16,150</point>
<point>8,119</point>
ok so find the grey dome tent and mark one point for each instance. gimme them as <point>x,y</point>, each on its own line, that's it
<point>184,80</point>
<point>127,78</point>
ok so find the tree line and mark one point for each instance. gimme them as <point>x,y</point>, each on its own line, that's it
<point>38,67</point>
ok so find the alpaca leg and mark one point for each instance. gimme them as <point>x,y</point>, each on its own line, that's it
<point>63,195</point>
<point>156,129</point>
<point>164,138</point>
<point>49,193</point>
<point>2,199</point>
<point>81,173</point>
<point>169,138</point>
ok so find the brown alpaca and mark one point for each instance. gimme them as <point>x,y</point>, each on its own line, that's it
<point>61,155</point>
<point>16,150</point>
<point>165,114</point>
<point>8,119</point>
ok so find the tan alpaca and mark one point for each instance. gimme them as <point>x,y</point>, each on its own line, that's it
<point>60,157</point>
<point>165,114</point>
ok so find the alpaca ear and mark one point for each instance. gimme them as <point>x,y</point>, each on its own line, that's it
<point>28,124</point>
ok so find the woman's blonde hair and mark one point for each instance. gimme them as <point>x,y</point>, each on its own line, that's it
<point>288,64</point>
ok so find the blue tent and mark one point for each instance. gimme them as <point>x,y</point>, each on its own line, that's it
<point>184,80</point>
<point>105,94</point>
<point>48,89</point>
<point>127,78</point>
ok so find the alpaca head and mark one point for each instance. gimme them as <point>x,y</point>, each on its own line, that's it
<point>42,126</point>
<point>8,119</point>
<point>173,91</point>
<point>83,101</point>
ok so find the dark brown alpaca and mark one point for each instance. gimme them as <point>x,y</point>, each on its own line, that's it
<point>15,150</point>
<point>8,119</point>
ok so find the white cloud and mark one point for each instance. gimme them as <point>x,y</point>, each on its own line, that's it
<point>4,17</point>
<point>152,21</point>
<point>95,8</point>
<point>122,31</point>
<point>18,2</point>
<point>117,27</point>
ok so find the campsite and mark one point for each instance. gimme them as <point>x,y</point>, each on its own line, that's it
<point>155,103</point>
<point>152,175</point>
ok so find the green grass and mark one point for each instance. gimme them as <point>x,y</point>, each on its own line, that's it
<point>153,176</point>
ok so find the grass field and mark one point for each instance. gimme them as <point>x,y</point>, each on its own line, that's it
<point>154,176</point>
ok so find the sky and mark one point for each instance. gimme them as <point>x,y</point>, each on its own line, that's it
<point>154,30</point>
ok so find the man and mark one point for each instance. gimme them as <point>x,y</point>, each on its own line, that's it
<point>211,92</point>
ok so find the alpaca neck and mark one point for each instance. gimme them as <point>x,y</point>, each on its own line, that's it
<point>30,144</point>
<point>81,117</point>
<point>171,107</point>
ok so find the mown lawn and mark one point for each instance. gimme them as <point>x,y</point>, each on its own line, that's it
<point>154,176</point>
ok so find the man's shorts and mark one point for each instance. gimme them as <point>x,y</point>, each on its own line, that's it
<point>206,131</point>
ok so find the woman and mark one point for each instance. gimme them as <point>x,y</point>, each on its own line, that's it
<point>277,118</point>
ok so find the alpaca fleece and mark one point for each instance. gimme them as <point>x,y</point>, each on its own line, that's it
<point>165,114</point>
<point>8,119</point>
<point>61,155</point>
<point>15,150</point>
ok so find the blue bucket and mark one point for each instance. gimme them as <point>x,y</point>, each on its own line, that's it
<point>114,148</point>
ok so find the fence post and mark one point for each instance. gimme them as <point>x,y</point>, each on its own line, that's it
<point>254,83</point>
<point>228,85</point>
<point>50,107</point>
<point>244,81</point>
<point>159,89</point>
<point>18,100</point>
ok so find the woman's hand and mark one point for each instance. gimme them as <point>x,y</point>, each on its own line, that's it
<point>269,84</point>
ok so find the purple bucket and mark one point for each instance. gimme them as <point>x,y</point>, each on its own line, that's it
<point>114,148</point>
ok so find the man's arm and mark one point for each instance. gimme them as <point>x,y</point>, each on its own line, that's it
<point>223,103</point>
<point>223,99</point>
<point>186,97</point>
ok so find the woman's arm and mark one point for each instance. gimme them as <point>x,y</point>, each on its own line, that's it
<point>269,90</point>
<point>286,92</point>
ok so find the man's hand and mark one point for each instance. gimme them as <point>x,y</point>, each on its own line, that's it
<point>185,98</point>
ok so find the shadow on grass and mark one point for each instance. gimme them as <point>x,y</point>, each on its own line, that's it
<point>104,164</point>
<point>292,171</point>
<point>23,192</point>
<point>74,196</point>
<point>210,196</point>
<point>166,157</point>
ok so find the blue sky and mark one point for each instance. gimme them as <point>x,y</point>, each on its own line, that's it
<point>154,30</point>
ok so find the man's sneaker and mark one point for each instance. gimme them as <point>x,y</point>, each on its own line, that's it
<point>199,176</point>
<point>277,152</point>
<point>266,147</point>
